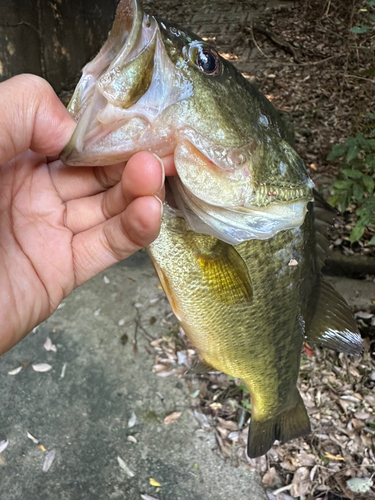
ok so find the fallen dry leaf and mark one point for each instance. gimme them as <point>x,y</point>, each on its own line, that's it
<point>170,419</point>
<point>132,420</point>
<point>49,346</point>
<point>269,477</point>
<point>15,371</point>
<point>33,439</point>
<point>333,457</point>
<point>42,367</point>
<point>48,461</point>
<point>124,467</point>
<point>301,482</point>
<point>153,482</point>
<point>3,445</point>
<point>359,485</point>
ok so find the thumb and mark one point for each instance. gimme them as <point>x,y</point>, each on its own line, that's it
<point>32,117</point>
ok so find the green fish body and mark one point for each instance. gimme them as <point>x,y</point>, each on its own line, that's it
<point>240,247</point>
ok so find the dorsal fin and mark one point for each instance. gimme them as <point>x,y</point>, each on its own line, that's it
<point>321,203</point>
<point>333,325</point>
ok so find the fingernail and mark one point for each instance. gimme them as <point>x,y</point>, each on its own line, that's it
<point>162,170</point>
<point>161,207</point>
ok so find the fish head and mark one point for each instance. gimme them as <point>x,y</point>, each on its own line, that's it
<point>157,87</point>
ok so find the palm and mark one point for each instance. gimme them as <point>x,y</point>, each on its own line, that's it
<point>58,228</point>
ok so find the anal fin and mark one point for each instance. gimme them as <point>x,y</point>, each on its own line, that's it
<point>333,325</point>
<point>200,367</point>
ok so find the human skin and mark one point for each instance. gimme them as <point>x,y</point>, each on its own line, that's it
<point>59,225</point>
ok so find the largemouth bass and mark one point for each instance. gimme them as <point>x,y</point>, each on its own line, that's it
<point>240,247</point>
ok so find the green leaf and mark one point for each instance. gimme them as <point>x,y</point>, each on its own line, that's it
<point>342,185</point>
<point>358,192</point>
<point>359,485</point>
<point>371,3</point>
<point>352,174</point>
<point>361,28</point>
<point>334,200</point>
<point>372,241</point>
<point>337,151</point>
<point>372,17</point>
<point>243,388</point>
<point>370,161</point>
<point>371,116</point>
<point>195,394</point>
<point>352,153</point>
<point>357,232</point>
<point>369,183</point>
<point>246,404</point>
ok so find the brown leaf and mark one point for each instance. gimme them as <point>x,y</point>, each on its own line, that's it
<point>228,424</point>
<point>333,457</point>
<point>269,478</point>
<point>301,482</point>
<point>170,419</point>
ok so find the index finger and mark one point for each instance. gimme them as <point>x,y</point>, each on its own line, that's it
<point>72,183</point>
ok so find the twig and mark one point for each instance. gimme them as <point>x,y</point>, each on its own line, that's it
<point>328,7</point>
<point>135,346</point>
<point>314,63</point>
<point>358,77</point>
<point>256,45</point>
<point>280,490</point>
<point>279,42</point>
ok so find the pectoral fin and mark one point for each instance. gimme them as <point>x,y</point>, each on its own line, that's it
<point>333,325</point>
<point>225,273</point>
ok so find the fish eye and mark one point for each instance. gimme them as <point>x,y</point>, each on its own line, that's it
<point>207,60</point>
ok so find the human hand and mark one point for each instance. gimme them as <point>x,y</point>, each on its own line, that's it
<point>60,226</point>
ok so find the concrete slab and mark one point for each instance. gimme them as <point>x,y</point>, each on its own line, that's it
<point>359,294</point>
<point>84,414</point>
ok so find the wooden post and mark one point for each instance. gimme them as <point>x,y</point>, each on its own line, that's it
<point>52,38</point>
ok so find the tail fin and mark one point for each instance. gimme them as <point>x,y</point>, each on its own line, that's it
<point>291,424</point>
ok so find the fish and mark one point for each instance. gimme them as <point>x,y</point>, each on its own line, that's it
<point>242,239</point>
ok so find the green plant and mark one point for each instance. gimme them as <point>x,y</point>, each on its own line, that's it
<point>356,180</point>
<point>360,28</point>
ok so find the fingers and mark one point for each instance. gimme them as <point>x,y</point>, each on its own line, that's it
<point>169,167</point>
<point>116,239</point>
<point>79,182</point>
<point>32,117</point>
<point>143,176</point>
